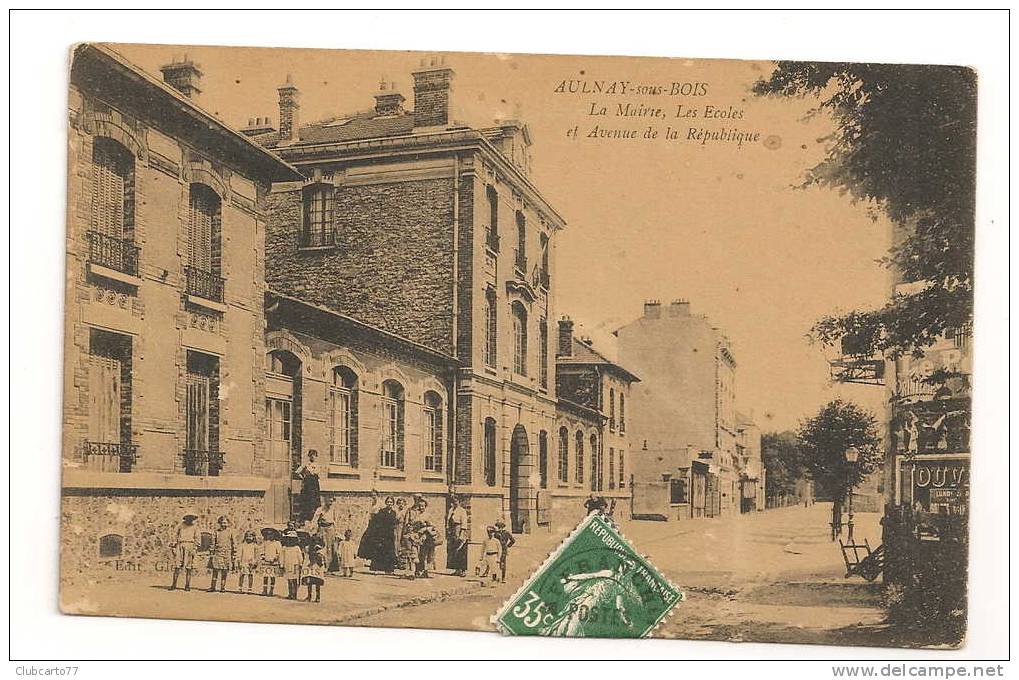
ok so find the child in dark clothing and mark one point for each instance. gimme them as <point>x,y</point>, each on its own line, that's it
<point>506,539</point>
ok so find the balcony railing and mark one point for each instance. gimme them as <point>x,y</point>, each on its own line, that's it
<point>201,463</point>
<point>492,240</point>
<point>204,284</point>
<point>114,253</point>
<point>520,260</point>
<point>109,456</point>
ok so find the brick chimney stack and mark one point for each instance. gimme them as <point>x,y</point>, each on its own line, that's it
<point>679,307</point>
<point>652,309</point>
<point>388,102</point>
<point>290,107</point>
<point>433,93</point>
<point>183,76</point>
<point>565,347</point>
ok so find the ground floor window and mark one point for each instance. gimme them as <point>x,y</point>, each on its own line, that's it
<point>489,452</point>
<point>201,415</point>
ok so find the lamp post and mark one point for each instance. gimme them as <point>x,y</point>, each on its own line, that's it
<point>852,455</point>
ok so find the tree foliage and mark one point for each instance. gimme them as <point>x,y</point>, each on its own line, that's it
<point>825,437</point>
<point>784,463</point>
<point>905,144</point>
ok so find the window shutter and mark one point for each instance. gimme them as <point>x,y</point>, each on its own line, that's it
<point>399,434</point>
<point>353,434</point>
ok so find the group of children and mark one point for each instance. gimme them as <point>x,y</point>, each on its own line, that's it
<point>294,555</point>
<point>298,556</point>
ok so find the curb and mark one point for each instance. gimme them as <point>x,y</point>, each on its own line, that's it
<point>365,612</point>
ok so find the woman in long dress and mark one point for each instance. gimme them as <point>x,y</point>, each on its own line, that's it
<point>457,533</point>
<point>310,497</point>
<point>378,544</point>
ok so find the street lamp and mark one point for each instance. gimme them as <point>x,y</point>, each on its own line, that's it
<point>852,455</point>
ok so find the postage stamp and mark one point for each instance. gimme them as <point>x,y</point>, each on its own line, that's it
<point>594,585</point>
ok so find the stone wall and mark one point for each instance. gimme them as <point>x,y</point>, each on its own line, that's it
<point>392,263</point>
<point>147,523</point>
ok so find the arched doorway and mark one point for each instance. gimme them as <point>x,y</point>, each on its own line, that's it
<point>520,492</point>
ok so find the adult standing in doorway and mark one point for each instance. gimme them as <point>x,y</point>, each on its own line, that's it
<point>310,497</point>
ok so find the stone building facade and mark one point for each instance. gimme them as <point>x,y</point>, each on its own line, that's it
<point>164,336</point>
<point>432,231</point>
<point>684,412</point>
<point>591,445</point>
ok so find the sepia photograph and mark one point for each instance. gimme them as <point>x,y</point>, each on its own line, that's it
<point>360,337</point>
<point>584,336</point>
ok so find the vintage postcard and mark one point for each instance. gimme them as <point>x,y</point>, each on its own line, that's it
<point>555,345</point>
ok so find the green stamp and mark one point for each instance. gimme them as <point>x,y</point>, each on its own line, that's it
<point>594,585</point>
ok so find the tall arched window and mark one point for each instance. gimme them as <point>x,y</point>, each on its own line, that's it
<point>111,229</point>
<point>579,467</point>
<point>543,353</point>
<point>519,339</point>
<point>612,409</point>
<point>489,452</point>
<point>612,467</point>
<point>622,412</point>
<point>520,256</point>
<point>622,470</point>
<point>491,329</point>
<point>543,459</point>
<point>434,424</point>
<point>492,234</point>
<point>342,413</point>
<point>204,244</point>
<point>596,464</point>
<point>283,411</point>
<point>392,450</point>
<point>318,216</point>
<point>564,456</point>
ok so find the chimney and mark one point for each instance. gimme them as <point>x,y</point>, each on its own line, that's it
<point>290,106</point>
<point>652,309</point>
<point>679,307</point>
<point>183,76</point>
<point>388,102</point>
<point>433,92</point>
<point>258,126</point>
<point>565,348</point>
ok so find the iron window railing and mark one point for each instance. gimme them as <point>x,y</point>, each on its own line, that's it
<point>114,253</point>
<point>110,456</point>
<point>204,284</point>
<point>317,239</point>
<point>202,463</point>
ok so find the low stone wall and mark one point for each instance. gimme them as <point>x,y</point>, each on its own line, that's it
<point>104,532</point>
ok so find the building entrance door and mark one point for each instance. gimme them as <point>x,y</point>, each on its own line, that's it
<point>521,499</point>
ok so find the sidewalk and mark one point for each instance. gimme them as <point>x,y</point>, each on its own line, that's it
<point>144,594</point>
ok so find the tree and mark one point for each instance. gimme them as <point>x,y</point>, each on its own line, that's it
<point>905,143</point>
<point>783,461</point>
<point>824,439</point>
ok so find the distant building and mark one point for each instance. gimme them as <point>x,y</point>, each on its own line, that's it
<point>753,475</point>
<point>592,440</point>
<point>684,422</point>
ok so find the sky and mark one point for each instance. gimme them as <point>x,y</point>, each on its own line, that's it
<point>723,226</point>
